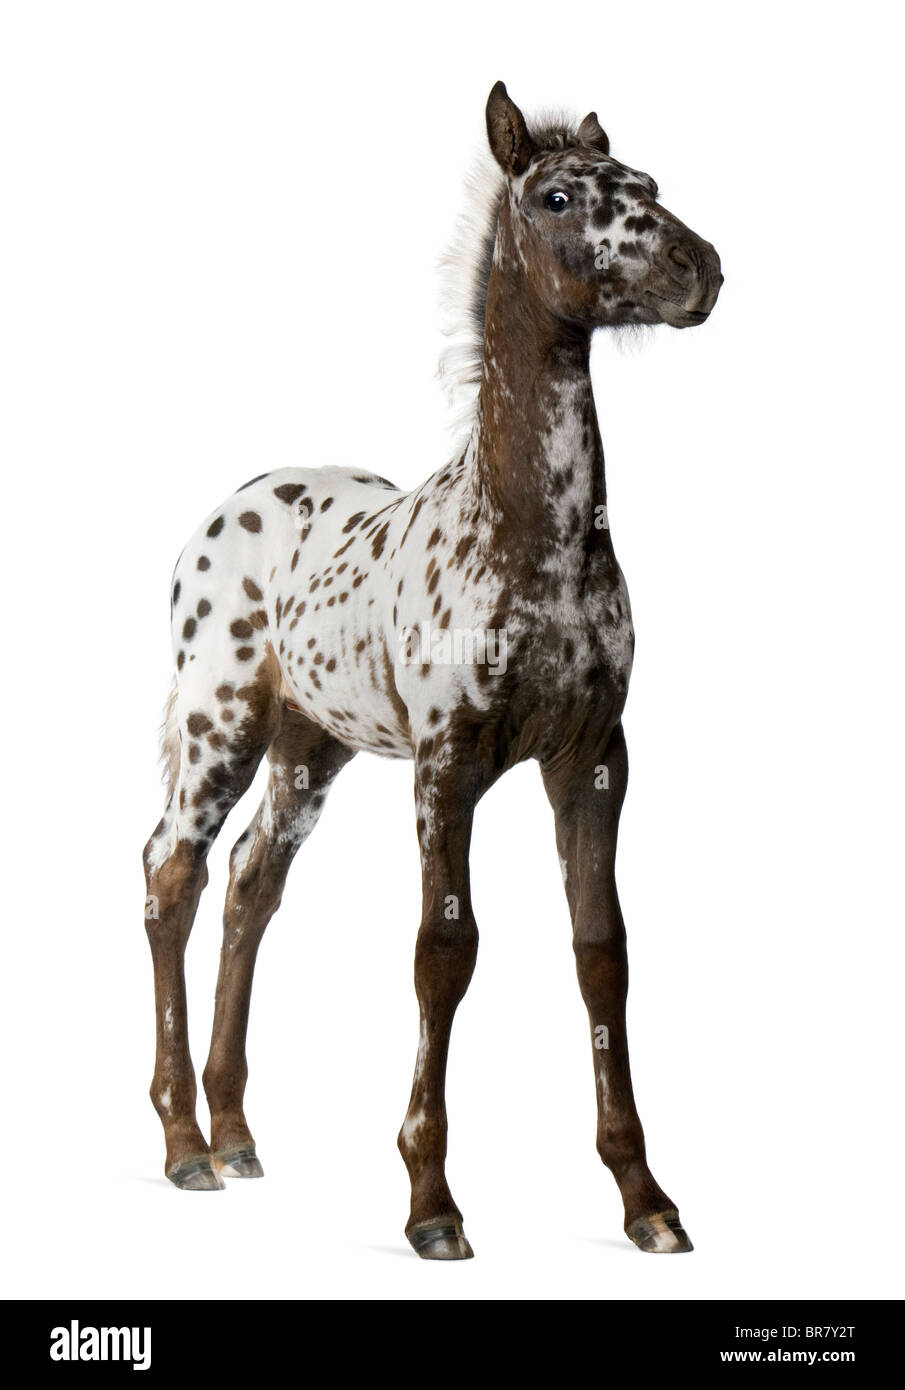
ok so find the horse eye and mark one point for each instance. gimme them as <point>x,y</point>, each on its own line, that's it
<point>556,201</point>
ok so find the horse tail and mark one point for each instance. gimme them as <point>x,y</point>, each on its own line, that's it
<point>169,743</point>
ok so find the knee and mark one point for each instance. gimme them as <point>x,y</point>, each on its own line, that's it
<point>601,963</point>
<point>445,953</point>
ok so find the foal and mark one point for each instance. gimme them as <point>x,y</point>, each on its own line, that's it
<point>322,611</point>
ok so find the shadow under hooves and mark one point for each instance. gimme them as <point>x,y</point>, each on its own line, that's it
<point>440,1240</point>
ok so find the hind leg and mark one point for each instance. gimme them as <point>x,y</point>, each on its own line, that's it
<point>217,761</point>
<point>303,762</point>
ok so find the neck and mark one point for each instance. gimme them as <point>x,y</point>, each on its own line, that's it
<point>536,449</point>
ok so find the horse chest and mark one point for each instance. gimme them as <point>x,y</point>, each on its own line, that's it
<point>581,641</point>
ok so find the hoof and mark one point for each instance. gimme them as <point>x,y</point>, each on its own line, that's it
<point>238,1163</point>
<point>440,1240</point>
<point>195,1175</point>
<point>662,1234</point>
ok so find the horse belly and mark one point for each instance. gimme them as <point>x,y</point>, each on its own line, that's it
<point>336,671</point>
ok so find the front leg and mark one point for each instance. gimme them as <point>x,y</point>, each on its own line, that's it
<point>586,791</point>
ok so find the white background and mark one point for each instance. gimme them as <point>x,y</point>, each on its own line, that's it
<point>220,230</point>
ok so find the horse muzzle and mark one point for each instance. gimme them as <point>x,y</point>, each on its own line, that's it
<point>687,279</point>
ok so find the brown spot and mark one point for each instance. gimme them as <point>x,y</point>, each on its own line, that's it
<point>251,521</point>
<point>203,608</point>
<point>327,502</point>
<point>252,590</point>
<point>198,724</point>
<point>258,619</point>
<point>241,628</point>
<point>225,692</point>
<point>244,653</point>
<point>215,527</point>
<point>463,546</point>
<point>189,629</point>
<point>289,492</point>
<point>414,513</point>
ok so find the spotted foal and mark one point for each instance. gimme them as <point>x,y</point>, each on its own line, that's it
<point>475,622</point>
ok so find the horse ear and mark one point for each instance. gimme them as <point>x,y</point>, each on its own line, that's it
<point>510,142</point>
<point>592,133</point>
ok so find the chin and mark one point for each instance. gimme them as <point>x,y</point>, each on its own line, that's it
<point>684,318</point>
<point>676,315</point>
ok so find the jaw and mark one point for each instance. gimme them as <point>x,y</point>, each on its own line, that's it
<point>652,307</point>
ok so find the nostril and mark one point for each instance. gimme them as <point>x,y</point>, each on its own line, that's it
<point>679,262</point>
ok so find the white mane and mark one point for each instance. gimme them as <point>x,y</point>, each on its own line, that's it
<point>464,272</point>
